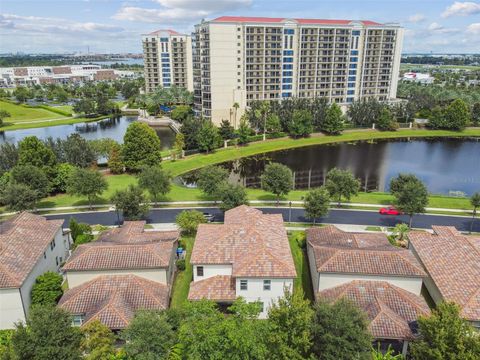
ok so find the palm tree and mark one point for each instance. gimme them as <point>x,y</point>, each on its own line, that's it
<point>475,201</point>
<point>236,105</point>
<point>400,231</point>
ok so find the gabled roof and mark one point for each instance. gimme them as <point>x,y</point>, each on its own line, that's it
<point>256,245</point>
<point>253,19</point>
<point>336,251</point>
<point>452,260</point>
<point>392,311</point>
<point>126,247</point>
<point>23,239</point>
<point>164,32</point>
<point>113,299</point>
<point>217,288</point>
<point>133,232</point>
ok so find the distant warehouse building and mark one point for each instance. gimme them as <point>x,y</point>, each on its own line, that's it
<point>167,58</point>
<point>243,59</point>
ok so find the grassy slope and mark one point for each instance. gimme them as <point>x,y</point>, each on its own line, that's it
<point>20,113</point>
<point>29,118</point>
<point>181,286</point>
<point>179,193</point>
<point>303,281</point>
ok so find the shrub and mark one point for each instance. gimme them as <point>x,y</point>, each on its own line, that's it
<point>181,264</point>
<point>188,221</point>
<point>47,289</point>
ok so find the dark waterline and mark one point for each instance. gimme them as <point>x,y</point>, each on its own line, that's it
<point>445,165</point>
<point>109,128</point>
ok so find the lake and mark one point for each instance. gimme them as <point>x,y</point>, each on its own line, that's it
<point>113,128</point>
<point>447,166</point>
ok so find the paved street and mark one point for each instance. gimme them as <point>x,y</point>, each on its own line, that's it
<point>354,217</point>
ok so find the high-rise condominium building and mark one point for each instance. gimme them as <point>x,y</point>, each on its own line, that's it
<point>237,60</point>
<point>167,60</point>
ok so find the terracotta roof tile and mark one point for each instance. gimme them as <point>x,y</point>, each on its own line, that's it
<point>217,288</point>
<point>23,239</point>
<point>452,260</point>
<point>252,19</point>
<point>113,299</point>
<point>255,244</point>
<point>127,247</point>
<point>391,310</point>
<point>337,251</point>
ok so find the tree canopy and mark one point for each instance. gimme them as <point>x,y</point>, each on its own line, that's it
<point>47,289</point>
<point>141,147</point>
<point>277,179</point>
<point>155,180</point>
<point>316,203</point>
<point>88,183</point>
<point>342,184</point>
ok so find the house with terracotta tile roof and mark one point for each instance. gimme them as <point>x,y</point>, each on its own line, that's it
<point>378,277</point>
<point>452,262</point>
<point>30,245</point>
<point>248,256</point>
<point>125,270</point>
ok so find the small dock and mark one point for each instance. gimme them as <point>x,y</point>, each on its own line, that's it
<point>161,122</point>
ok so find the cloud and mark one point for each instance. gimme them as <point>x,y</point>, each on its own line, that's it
<point>36,24</point>
<point>416,18</point>
<point>474,29</point>
<point>179,11</point>
<point>132,13</point>
<point>462,9</point>
<point>437,28</point>
<point>205,5</point>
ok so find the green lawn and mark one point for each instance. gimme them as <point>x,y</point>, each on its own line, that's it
<point>21,113</point>
<point>181,286</point>
<point>303,282</point>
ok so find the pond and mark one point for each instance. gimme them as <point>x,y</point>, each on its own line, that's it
<point>447,166</point>
<point>113,128</point>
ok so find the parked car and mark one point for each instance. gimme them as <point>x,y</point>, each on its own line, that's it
<point>209,217</point>
<point>390,210</point>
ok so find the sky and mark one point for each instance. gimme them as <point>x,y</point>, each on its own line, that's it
<point>111,26</point>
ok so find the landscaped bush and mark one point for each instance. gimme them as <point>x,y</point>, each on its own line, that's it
<point>47,289</point>
<point>181,264</point>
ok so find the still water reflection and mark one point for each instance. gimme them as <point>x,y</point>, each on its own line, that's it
<point>113,128</point>
<point>445,165</point>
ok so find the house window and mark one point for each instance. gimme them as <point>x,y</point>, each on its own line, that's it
<point>243,284</point>
<point>52,244</point>
<point>267,285</point>
<point>199,270</point>
<point>77,320</point>
<point>44,254</point>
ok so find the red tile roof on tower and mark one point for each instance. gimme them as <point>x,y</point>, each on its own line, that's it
<point>391,311</point>
<point>113,299</point>
<point>336,251</point>
<point>253,19</point>
<point>127,247</point>
<point>163,31</point>
<point>23,239</point>
<point>452,260</point>
<point>254,243</point>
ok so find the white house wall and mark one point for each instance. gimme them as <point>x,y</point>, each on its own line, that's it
<point>76,278</point>
<point>11,308</point>
<point>329,280</point>
<point>255,291</point>
<point>313,268</point>
<point>212,270</point>
<point>59,252</point>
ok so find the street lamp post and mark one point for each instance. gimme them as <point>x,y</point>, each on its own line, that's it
<point>290,211</point>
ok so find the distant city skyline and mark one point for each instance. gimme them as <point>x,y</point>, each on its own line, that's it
<point>113,26</point>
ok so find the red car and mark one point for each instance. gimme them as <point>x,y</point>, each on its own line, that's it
<point>390,211</point>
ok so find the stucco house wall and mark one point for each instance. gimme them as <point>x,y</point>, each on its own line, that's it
<point>211,270</point>
<point>76,278</point>
<point>255,291</point>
